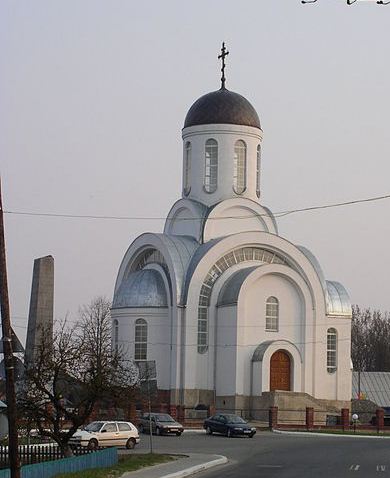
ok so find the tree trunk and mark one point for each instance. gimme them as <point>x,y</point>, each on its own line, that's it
<point>66,450</point>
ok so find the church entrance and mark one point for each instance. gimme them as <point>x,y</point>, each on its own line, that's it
<point>280,371</point>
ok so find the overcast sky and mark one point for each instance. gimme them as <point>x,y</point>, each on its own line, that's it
<point>93,99</point>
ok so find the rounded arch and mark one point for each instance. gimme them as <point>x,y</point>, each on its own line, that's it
<point>175,251</point>
<point>186,217</point>
<point>237,215</point>
<point>261,360</point>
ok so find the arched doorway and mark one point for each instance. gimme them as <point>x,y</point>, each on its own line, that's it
<point>280,371</point>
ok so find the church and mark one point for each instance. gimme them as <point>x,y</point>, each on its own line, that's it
<point>227,308</point>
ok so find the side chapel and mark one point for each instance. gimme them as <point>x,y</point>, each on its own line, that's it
<point>229,309</point>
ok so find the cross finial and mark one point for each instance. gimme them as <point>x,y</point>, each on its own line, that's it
<point>222,56</point>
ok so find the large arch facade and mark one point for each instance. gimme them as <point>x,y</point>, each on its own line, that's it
<point>195,376</point>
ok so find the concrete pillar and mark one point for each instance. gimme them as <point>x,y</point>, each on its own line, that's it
<point>380,419</point>
<point>273,417</point>
<point>345,418</point>
<point>309,418</point>
<point>40,317</point>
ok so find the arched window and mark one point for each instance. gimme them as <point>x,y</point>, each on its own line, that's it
<point>331,350</point>
<point>211,166</point>
<point>258,159</point>
<point>239,175</point>
<point>272,314</point>
<point>116,335</point>
<point>187,168</point>
<point>141,340</point>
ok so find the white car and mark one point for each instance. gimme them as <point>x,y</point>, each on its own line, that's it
<point>106,433</point>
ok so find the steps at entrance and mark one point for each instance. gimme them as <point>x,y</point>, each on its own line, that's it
<point>292,407</point>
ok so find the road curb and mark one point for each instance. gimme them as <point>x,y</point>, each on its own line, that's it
<point>220,460</point>
<point>332,435</point>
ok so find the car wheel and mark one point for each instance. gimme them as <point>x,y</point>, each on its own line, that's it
<point>209,431</point>
<point>158,431</point>
<point>178,433</point>
<point>252,435</point>
<point>229,433</point>
<point>130,444</point>
<point>141,429</point>
<point>93,444</point>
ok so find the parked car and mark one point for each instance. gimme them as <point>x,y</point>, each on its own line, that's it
<point>229,425</point>
<point>106,433</point>
<point>162,424</point>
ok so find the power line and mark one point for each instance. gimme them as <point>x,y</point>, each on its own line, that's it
<point>154,218</point>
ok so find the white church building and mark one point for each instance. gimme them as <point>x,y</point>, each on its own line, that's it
<point>228,308</point>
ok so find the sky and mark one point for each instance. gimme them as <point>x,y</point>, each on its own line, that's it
<point>93,97</point>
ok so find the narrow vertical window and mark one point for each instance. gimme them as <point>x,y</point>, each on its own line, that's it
<point>116,335</point>
<point>239,174</point>
<point>211,166</point>
<point>141,340</point>
<point>187,168</point>
<point>272,314</point>
<point>331,350</point>
<point>202,329</point>
<point>258,159</point>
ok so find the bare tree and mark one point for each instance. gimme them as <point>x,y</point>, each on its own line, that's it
<point>370,340</point>
<point>70,376</point>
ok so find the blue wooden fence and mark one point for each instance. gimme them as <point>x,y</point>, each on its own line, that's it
<point>48,469</point>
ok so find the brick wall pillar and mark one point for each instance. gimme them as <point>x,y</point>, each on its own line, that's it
<point>131,413</point>
<point>211,410</point>
<point>173,411</point>
<point>180,413</point>
<point>309,418</point>
<point>163,408</point>
<point>345,418</point>
<point>273,417</point>
<point>380,419</point>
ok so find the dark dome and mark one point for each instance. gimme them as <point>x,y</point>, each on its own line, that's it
<point>222,106</point>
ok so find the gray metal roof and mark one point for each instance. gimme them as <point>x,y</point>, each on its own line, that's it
<point>337,299</point>
<point>314,262</point>
<point>259,352</point>
<point>374,386</point>
<point>231,289</point>
<point>222,107</point>
<point>181,250</point>
<point>143,288</point>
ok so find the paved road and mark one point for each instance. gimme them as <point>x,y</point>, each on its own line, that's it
<point>269,455</point>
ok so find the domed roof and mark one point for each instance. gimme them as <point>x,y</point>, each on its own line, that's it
<point>144,288</point>
<point>222,107</point>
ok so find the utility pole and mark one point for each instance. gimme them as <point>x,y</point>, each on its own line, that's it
<point>8,355</point>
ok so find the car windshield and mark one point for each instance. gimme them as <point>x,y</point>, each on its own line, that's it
<point>234,419</point>
<point>163,417</point>
<point>93,427</point>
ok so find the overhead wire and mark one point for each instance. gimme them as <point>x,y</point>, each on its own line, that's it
<point>154,218</point>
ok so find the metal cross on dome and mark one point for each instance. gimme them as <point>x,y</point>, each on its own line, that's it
<point>224,53</point>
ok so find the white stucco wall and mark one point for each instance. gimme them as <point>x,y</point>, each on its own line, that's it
<point>159,338</point>
<point>226,136</point>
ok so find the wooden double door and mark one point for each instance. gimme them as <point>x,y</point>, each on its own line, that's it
<point>280,371</point>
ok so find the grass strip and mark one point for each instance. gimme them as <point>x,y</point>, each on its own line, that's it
<point>125,463</point>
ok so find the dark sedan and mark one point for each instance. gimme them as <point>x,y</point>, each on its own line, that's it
<point>229,425</point>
